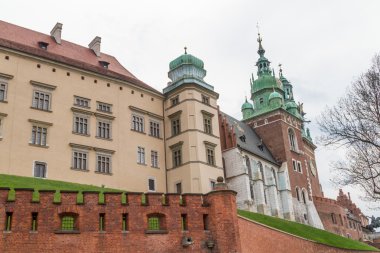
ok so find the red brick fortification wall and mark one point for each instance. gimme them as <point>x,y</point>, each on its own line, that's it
<point>258,238</point>
<point>221,234</point>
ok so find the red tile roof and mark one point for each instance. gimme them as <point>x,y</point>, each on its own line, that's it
<point>26,40</point>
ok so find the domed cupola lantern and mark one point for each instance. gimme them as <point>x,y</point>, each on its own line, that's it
<point>247,109</point>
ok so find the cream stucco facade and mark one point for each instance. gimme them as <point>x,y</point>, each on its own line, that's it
<point>75,114</point>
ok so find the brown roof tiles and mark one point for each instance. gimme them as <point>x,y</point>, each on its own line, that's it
<point>26,40</point>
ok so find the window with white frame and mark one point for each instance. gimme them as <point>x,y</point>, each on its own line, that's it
<point>81,124</point>
<point>81,102</point>
<point>104,107</point>
<point>2,119</point>
<point>137,123</point>
<point>299,167</point>
<point>39,135</point>
<point>140,155</point>
<point>41,100</point>
<point>39,169</point>
<point>3,90</point>
<point>80,159</point>
<point>294,162</point>
<point>152,184</point>
<point>103,163</point>
<point>154,129</point>
<point>104,128</point>
<point>154,158</point>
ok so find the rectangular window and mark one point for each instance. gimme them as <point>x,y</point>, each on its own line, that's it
<point>207,123</point>
<point>294,165</point>
<point>103,164</point>
<point>137,123</point>
<point>175,101</point>
<point>67,223</point>
<point>34,222</point>
<point>151,184</point>
<point>41,100</point>
<point>81,123</point>
<point>154,158</point>
<point>205,222</point>
<point>80,160</point>
<point>124,222</point>
<point>155,129</point>
<point>299,167</point>
<point>40,169</point>
<point>178,188</point>
<point>1,127</point>
<point>8,221</point>
<point>177,157</point>
<point>140,155</point>
<point>104,107</point>
<point>102,222</point>
<point>3,91</point>
<point>176,126</point>
<point>210,152</point>
<point>39,135</point>
<point>81,102</point>
<point>103,129</point>
<point>205,100</point>
<point>154,223</point>
<point>212,184</point>
<point>184,222</point>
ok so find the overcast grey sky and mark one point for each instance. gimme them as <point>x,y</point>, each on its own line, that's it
<point>323,45</point>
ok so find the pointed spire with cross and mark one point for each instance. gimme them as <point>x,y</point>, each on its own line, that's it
<point>185,49</point>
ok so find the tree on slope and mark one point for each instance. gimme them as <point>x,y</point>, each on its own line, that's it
<point>355,123</point>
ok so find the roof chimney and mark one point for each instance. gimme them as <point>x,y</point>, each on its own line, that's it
<point>56,32</point>
<point>95,45</point>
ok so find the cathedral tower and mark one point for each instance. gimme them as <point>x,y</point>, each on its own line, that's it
<point>279,121</point>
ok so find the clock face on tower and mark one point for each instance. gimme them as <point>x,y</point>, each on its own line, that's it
<point>312,167</point>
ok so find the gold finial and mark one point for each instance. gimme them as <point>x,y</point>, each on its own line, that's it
<point>185,50</point>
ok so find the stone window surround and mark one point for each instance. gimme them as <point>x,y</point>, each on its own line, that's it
<point>2,119</point>
<point>83,151</point>
<point>41,124</point>
<point>4,79</point>
<point>102,119</point>
<point>35,162</point>
<point>78,98</point>
<point>176,147</point>
<point>99,104</point>
<point>210,146</point>
<point>44,88</point>
<point>154,184</point>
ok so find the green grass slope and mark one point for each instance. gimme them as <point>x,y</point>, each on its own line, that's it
<point>307,232</point>
<point>45,184</point>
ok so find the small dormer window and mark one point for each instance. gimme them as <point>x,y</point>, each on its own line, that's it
<point>43,45</point>
<point>242,138</point>
<point>104,64</point>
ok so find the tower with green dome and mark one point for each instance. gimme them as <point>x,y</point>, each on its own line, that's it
<point>192,144</point>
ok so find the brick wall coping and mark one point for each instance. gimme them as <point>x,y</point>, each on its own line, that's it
<point>302,238</point>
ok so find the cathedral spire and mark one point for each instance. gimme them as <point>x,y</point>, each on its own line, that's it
<point>262,63</point>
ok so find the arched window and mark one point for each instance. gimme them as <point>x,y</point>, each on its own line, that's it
<point>274,177</point>
<point>292,140</point>
<point>248,163</point>
<point>261,168</point>
<point>303,196</point>
<point>298,193</point>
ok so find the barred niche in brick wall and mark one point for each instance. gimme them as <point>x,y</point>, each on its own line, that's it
<point>48,221</point>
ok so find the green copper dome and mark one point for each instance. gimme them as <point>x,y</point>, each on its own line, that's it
<point>186,59</point>
<point>274,95</point>
<point>265,81</point>
<point>291,105</point>
<point>246,105</point>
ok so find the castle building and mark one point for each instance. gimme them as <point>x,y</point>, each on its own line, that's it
<point>75,114</point>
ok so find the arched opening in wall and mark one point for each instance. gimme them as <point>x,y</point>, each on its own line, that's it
<point>292,139</point>
<point>261,169</point>
<point>303,196</point>
<point>156,222</point>
<point>69,222</point>
<point>298,194</point>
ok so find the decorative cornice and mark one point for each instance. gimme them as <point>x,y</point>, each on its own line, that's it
<point>43,85</point>
<point>173,115</point>
<point>6,76</point>
<point>74,109</point>
<point>136,109</point>
<point>176,145</point>
<point>40,122</point>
